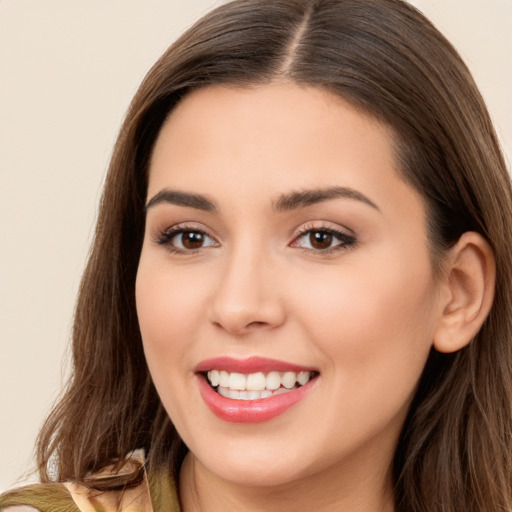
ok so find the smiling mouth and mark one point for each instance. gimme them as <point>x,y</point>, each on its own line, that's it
<point>256,386</point>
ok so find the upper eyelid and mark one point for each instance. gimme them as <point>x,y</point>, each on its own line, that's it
<point>337,233</point>
<point>164,237</point>
<point>323,226</point>
<point>188,226</point>
<point>161,236</point>
<point>304,228</point>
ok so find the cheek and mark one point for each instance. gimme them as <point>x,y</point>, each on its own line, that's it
<point>169,310</point>
<point>375,336</point>
<point>375,324</point>
<point>169,300</point>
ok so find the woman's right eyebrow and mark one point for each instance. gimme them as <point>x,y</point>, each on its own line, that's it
<point>180,198</point>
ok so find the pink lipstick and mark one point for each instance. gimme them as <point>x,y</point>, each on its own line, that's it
<point>252,390</point>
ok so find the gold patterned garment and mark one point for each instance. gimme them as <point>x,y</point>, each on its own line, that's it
<point>155,493</point>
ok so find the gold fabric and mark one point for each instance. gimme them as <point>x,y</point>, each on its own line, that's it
<point>156,493</point>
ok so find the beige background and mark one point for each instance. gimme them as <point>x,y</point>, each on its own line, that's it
<point>68,69</point>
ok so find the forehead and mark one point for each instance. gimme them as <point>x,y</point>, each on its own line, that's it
<point>254,142</point>
<point>245,117</point>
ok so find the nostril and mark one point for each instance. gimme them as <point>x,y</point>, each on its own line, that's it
<point>256,324</point>
<point>241,328</point>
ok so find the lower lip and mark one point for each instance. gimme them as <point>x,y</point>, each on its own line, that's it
<point>250,411</point>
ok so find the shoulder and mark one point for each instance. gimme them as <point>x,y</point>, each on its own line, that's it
<point>70,497</point>
<point>20,508</point>
<point>50,497</point>
<point>152,493</point>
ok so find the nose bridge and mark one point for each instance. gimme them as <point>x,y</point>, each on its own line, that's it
<point>247,295</point>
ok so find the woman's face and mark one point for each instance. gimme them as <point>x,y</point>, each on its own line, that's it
<point>283,253</point>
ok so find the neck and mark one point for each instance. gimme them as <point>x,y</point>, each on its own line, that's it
<point>332,489</point>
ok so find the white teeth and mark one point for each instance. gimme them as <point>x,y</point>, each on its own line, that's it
<point>237,381</point>
<point>254,386</point>
<point>250,395</point>
<point>273,380</point>
<point>288,380</point>
<point>302,378</point>
<point>256,381</point>
<point>235,395</point>
<point>213,377</point>
<point>280,391</point>
<point>223,391</point>
<point>224,379</point>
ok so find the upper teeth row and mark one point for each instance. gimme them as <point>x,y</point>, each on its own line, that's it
<point>257,381</point>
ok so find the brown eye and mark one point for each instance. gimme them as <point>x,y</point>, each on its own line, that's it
<point>192,239</point>
<point>324,240</point>
<point>320,239</point>
<point>183,240</point>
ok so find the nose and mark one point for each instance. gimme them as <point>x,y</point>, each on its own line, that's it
<point>247,296</point>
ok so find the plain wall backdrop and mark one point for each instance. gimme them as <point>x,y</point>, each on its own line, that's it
<point>68,69</point>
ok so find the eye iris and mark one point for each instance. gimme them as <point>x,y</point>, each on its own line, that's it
<point>320,239</point>
<point>192,239</point>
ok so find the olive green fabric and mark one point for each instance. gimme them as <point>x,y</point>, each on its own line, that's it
<point>44,497</point>
<point>56,497</point>
<point>162,490</point>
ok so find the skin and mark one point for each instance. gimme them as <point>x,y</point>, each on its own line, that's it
<point>365,315</point>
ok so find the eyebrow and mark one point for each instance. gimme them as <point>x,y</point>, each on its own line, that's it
<point>306,198</point>
<point>180,198</point>
<point>285,202</point>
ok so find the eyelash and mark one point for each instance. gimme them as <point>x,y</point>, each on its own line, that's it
<point>346,241</point>
<point>165,237</point>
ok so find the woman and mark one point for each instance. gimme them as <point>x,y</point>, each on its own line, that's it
<point>299,290</point>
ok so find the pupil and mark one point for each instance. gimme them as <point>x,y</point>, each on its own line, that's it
<point>320,239</point>
<point>192,239</point>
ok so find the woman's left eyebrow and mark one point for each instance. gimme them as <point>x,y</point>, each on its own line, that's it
<point>304,198</point>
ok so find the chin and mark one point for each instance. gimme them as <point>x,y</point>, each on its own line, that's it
<point>257,466</point>
<point>257,473</point>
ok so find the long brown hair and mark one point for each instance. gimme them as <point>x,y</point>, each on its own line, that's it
<point>385,58</point>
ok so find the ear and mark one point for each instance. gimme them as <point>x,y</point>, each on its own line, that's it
<point>467,292</point>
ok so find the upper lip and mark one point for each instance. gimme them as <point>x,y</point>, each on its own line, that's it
<point>250,365</point>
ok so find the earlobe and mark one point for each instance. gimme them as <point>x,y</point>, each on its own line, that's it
<point>468,285</point>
